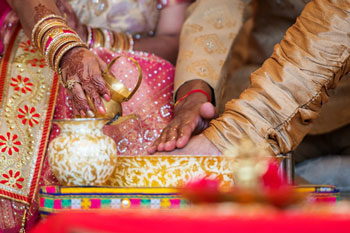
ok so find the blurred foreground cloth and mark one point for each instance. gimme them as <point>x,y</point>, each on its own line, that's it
<point>203,219</point>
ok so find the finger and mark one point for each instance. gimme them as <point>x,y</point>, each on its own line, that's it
<point>103,65</point>
<point>80,101</point>
<point>95,74</point>
<point>185,133</point>
<point>94,96</point>
<point>72,105</point>
<point>207,111</point>
<point>101,86</point>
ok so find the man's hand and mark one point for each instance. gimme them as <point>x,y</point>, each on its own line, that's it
<point>192,116</point>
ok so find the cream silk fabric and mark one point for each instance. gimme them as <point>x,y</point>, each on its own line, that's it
<point>118,15</point>
<point>286,94</point>
<point>206,38</point>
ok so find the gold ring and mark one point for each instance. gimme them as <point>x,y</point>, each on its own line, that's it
<point>70,83</point>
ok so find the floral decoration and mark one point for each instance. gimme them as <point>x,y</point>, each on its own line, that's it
<point>28,115</point>
<point>21,84</point>
<point>12,179</point>
<point>35,62</point>
<point>9,144</point>
<point>27,46</point>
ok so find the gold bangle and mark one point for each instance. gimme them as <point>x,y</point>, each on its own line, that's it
<point>107,36</point>
<point>120,43</point>
<point>89,37</point>
<point>57,47</point>
<point>98,40</point>
<point>102,36</point>
<point>42,31</point>
<point>58,38</point>
<point>34,30</point>
<point>123,42</point>
<point>52,33</point>
<point>116,41</point>
<point>65,49</point>
<point>131,43</point>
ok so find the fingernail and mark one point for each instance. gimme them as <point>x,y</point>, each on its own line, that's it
<point>82,113</point>
<point>167,144</point>
<point>102,109</point>
<point>90,113</point>
<point>106,97</point>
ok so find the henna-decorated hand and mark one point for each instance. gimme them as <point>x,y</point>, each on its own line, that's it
<point>192,116</point>
<point>82,69</point>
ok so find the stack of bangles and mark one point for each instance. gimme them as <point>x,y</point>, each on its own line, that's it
<point>98,37</point>
<point>53,38</point>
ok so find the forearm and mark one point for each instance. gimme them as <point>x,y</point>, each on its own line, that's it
<point>31,11</point>
<point>165,46</point>
<point>286,94</point>
<point>206,39</point>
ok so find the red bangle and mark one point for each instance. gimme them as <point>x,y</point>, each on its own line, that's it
<point>191,92</point>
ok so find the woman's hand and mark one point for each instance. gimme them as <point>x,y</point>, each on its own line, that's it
<point>192,116</point>
<point>82,74</point>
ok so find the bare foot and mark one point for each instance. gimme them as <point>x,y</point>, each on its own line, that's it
<point>198,145</point>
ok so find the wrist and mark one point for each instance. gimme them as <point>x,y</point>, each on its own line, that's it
<point>83,33</point>
<point>192,85</point>
<point>68,54</point>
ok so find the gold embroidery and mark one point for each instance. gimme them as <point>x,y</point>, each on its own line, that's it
<point>220,18</point>
<point>185,56</point>
<point>211,43</point>
<point>25,99</point>
<point>202,68</point>
<point>192,28</point>
<point>169,171</point>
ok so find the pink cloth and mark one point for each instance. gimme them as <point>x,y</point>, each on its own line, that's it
<point>4,10</point>
<point>151,103</point>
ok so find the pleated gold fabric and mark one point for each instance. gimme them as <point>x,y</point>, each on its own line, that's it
<point>286,94</point>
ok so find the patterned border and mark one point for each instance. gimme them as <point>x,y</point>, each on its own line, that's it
<point>55,198</point>
<point>27,199</point>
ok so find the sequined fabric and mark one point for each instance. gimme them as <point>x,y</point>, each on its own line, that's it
<point>151,104</point>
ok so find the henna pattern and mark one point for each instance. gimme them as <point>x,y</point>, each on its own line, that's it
<point>41,11</point>
<point>80,103</point>
<point>73,64</point>
<point>99,84</point>
<point>92,84</point>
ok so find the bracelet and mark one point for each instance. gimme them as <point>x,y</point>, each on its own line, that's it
<point>191,92</point>
<point>131,43</point>
<point>45,29</point>
<point>89,40</point>
<point>98,38</point>
<point>56,44</point>
<point>36,26</point>
<point>65,49</point>
<point>52,54</point>
<point>107,40</point>
<point>52,34</point>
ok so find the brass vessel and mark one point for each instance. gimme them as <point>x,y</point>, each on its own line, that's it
<point>82,155</point>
